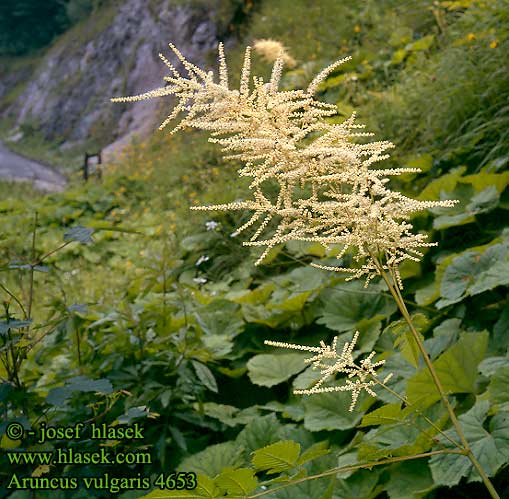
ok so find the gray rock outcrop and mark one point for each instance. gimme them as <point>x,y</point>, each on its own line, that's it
<point>68,95</point>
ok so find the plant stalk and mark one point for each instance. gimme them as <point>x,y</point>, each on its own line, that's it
<point>31,290</point>
<point>393,287</point>
<point>354,467</point>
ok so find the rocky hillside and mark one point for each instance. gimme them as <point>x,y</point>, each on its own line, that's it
<point>112,53</point>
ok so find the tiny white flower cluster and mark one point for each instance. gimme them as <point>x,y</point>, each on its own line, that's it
<point>330,362</point>
<point>202,259</point>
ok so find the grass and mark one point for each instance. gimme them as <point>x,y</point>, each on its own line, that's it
<point>455,102</point>
<point>21,191</point>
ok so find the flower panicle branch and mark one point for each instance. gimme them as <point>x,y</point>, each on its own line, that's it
<point>361,376</point>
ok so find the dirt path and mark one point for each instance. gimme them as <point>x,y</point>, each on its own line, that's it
<point>18,168</point>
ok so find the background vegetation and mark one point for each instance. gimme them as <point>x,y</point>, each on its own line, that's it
<point>161,321</point>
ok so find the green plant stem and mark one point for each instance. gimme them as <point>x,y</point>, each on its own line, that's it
<point>14,375</point>
<point>418,411</point>
<point>392,284</point>
<point>31,289</point>
<point>16,299</point>
<point>354,467</point>
<point>40,260</point>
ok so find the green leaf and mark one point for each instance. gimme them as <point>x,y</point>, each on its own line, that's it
<point>404,339</point>
<point>444,183</point>
<point>389,413</point>
<point>228,414</point>
<point>85,384</point>
<point>348,458</point>
<point>212,460</point>
<point>79,234</point>
<point>310,489</point>
<point>240,481</point>
<point>270,369</point>
<point>491,448</point>
<point>427,294</point>
<point>362,484</point>
<point>292,410</point>
<point>132,414</point>
<point>315,451</point>
<point>205,376</point>
<point>260,432</point>
<point>98,225</point>
<point>218,344</point>
<point>456,368</point>
<point>483,180</point>
<point>500,341</point>
<point>423,43</point>
<point>444,336</point>
<point>330,411</point>
<point>13,324</point>
<point>411,436</point>
<point>220,317</point>
<point>400,36</point>
<point>498,388</point>
<point>473,272</point>
<point>470,205</point>
<point>409,480</point>
<point>422,161</point>
<point>256,296</point>
<point>277,457</point>
<point>290,303</point>
<point>399,56</point>
<point>306,379</point>
<point>344,307</point>
<point>401,371</point>
<point>59,395</point>
<point>489,366</point>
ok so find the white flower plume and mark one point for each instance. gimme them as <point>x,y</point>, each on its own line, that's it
<point>327,190</point>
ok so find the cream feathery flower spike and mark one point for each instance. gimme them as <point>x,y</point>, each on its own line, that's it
<point>271,50</point>
<point>329,362</point>
<point>326,190</point>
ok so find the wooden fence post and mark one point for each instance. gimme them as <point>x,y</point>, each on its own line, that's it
<point>85,168</point>
<point>99,163</point>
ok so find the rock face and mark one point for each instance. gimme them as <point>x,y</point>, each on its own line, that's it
<point>114,53</point>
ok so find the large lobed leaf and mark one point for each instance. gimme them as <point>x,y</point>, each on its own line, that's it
<point>456,368</point>
<point>491,448</point>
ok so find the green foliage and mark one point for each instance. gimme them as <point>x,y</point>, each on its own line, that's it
<point>270,370</point>
<point>17,18</point>
<point>490,447</point>
<point>329,411</point>
<point>456,367</point>
<point>277,457</point>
